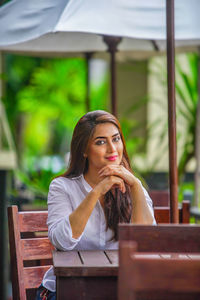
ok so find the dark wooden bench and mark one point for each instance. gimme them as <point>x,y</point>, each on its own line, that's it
<point>162,238</point>
<point>161,204</point>
<point>156,278</point>
<point>31,257</point>
<point>162,213</point>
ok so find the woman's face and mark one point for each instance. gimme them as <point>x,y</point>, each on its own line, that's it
<point>105,147</point>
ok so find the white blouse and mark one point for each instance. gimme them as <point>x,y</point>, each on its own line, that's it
<point>65,195</point>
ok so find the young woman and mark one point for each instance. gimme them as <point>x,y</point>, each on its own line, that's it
<point>98,191</point>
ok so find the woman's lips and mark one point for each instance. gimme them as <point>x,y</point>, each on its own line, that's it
<point>112,158</point>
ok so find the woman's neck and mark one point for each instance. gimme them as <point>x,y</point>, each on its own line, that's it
<point>92,177</point>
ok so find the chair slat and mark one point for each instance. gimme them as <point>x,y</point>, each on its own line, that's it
<point>33,221</point>
<point>34,249</point>
<point>185,212</point>
<point>33,275</point>
<point>162,214</point>
<point>15,254</point>
<point>28,247</point>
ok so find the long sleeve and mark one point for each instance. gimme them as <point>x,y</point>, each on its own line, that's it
<point>59,209</point>
<point>149,203</point>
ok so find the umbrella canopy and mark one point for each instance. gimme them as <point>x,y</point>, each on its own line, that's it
<point>64,27</point>
<point>49,26</point>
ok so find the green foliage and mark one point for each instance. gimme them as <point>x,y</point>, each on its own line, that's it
<point>186,107</point>
<point>187,97</point>
<point>135,143</point>
<point>44,100</point>
<point>53,103</point>
<point>185,187</point>
<point>17,75</point>
<point>36,182</point>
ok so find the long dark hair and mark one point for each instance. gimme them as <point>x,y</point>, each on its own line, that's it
<point>117,206</point>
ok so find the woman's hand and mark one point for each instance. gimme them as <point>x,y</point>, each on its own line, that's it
<point>141,213</point>
<point>108,183</point>
<point>119,171</point>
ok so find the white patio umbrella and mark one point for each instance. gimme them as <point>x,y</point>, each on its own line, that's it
<point>64,27</point>
<point>49,26</point>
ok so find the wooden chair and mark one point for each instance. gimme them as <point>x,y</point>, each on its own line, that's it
<point>162,238</point>
<point>161,204</point>
<point>156,278</point>
<point>159,197</point>
<point>162,213</point>
<point>31,257</point>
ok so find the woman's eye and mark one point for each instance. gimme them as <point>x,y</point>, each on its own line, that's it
<point>100,142</point>
<point>117,139</point>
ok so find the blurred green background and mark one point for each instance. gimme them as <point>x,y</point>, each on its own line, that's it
<point>44,98</point>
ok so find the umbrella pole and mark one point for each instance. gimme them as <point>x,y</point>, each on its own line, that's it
<point>113,82</point>
<point>4,267</point>
<point>88,57</point>
<point>112,43</point>
<point>173,173</point>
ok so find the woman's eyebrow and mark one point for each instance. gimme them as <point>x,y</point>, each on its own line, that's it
<point>104,137</point>
<point>100,137</point>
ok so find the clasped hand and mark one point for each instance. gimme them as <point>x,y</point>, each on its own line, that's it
<point>115,176</point>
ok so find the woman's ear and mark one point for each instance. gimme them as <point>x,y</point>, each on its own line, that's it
<point>84,155</point>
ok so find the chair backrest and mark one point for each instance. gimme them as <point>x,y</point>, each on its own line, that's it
<point>161,204</point>
<point>156,278</point>
<point>162,238</point>
<point>30,250</point>
<point>159,197</point>
<point>162,213</point>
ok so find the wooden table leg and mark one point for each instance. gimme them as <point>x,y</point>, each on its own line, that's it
<point>82,288</point>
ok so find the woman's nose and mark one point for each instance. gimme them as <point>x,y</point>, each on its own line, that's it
<point>111,147</point>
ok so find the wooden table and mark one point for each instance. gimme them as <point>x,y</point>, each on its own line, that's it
<point>93,274</point>
<point>86,274</point>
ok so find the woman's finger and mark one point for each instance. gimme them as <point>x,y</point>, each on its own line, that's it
<point>111,182</point>
<point>114,170</point>
<point>119,184</point>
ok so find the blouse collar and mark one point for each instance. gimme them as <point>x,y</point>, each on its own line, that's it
<point>86,185</point>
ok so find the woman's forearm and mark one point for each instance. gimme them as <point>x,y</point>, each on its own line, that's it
<point>141,212</point>
<point>79,217</point>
